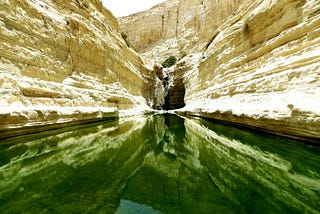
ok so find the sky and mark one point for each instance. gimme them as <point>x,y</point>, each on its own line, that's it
<point>126,7</point>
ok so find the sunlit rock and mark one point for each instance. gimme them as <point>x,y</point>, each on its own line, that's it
<point>66,61</point>
<point>249,62</point>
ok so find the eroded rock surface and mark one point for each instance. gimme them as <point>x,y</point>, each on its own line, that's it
<point>251,62</point>
<point>263,68</point>
<point>177,27</point>
<point>65,61</point>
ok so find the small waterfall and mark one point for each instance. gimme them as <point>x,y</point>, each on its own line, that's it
<point>169,89</point>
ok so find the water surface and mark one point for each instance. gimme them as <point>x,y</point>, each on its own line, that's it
<point>158,164</point>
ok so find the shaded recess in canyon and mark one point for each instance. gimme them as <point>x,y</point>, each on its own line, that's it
<point>175,96</point>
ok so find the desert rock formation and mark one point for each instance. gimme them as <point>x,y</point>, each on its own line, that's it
<point>255,63</point>
<point>177,27</point>
<point>65,61</point>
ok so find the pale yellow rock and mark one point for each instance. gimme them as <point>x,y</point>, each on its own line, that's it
<point>263,68</point>
<point>176,27</point>
<point>251,62</point>
<point>60,56</point>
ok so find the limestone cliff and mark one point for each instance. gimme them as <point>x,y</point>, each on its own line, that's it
<point>251,62</point>
<point>263,69</point>
<point>176,27</point>
<point>65,61</point>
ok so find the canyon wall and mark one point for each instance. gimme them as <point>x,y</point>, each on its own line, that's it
<point>146,29</point>
<point>255,63</point>
<point>65,62</point>
<point>262,69</point>
<point>176,27</point>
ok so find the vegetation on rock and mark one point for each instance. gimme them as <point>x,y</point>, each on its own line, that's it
<point>170,61</point>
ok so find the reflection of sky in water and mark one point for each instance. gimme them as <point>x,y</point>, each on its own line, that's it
<point>157,163</point>
<point>130,207</point>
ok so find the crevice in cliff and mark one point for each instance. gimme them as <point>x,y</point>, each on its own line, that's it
<point>177,23</point>
<point>175,97</point>
<point>174,90</point>
<point>162,26</point>
<point>169,89</point>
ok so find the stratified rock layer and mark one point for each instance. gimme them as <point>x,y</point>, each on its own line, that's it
<point>263,69</point>
<point>251,62</point>
<point>176,27</point>
<point>65,61</point>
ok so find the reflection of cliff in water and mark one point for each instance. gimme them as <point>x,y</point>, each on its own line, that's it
<point>77,171</point>
<point>216,169</point>
<point>160,162</point>
<point>257,173</point>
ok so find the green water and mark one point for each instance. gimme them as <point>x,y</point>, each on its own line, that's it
<point>158,164</point>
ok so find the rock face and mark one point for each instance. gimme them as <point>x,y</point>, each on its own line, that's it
<point>174,98</point>
<point>263,69</point>
<point>176,27</point>
<point>146,29</point>
<point>251,62</point>
<point>65,61</point>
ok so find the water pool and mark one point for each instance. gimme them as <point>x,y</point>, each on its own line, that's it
<point>158,164</point>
